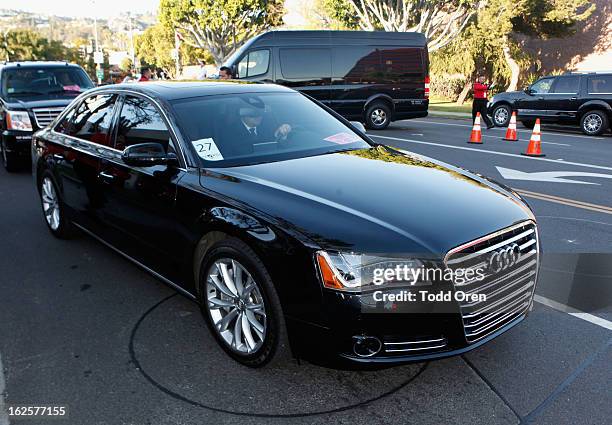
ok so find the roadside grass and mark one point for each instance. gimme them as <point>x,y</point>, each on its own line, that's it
<point>442,104</point>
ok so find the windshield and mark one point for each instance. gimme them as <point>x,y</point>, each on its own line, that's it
<point>240,129</point>
<point>27,81</point>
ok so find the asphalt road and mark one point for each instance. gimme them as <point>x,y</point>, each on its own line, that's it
<point>80,326</point>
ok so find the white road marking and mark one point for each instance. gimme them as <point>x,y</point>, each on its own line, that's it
<point>4,419</point>
<point>549,176</point>
<point>499,138</point>
<point>500,128</point>
<point>465,148</point>
<point>599,321</point>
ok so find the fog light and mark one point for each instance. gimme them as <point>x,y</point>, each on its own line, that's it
<point>366,346</point>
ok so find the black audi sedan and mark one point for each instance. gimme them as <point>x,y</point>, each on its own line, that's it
<point>295,233</point>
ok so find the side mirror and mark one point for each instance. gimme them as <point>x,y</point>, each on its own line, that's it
<point>359,126</point>
<point>529,91</point>
<point>147,155</point>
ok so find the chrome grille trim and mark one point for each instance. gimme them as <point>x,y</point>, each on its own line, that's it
<point>510,291</point>
<point>45,116</point>
<point>415,345</point>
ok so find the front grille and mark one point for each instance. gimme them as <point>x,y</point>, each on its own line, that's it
<point>509,259</point>
<point>398,346</point>
<point>44,116</point>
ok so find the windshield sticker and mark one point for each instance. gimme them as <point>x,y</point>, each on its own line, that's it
<point>207,149</point>
<point>343,138</point>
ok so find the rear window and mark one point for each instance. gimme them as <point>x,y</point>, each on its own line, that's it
<point>600,84</point>
<point>32,81</point>
<point>566,85</point>
<point>401,64</point>
<point>305,63</point>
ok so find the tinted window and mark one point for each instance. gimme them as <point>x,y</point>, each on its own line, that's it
<point>600,84</point>
<point>251,128</point>
<point>36,81</point>
<point>542,86</point>
<point>65,125</point>
<point>92,119</point>
<point>305,63</point>
<point>401,64</point>
<point>140,122</point>
<point>253,64</point>
<point>357,64</point>
<point>566,85</point>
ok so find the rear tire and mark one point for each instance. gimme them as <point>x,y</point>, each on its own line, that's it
<point>54,210</point>
<point>501,115</point>
<point>528,123</point>
<point>378,116</point>
<point>10,161</point>
<point>248,324</point>
<point>593,123</point>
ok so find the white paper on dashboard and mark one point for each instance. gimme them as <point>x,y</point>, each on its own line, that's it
<point>207,149</point>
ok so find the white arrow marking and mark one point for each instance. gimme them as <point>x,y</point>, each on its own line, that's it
<point>549,176</point>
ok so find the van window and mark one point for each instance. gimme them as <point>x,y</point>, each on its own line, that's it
<point>566,85</point>
<point>305,63</point>
<point>401,64</point>
<point>600,84</point>
<point>254,63</point>
<point>357,64</point>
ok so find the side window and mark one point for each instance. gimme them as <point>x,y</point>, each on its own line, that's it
<point>542,86</point>
<point>356,65</point>
<point>66,125</point>
<point>140,122</point>
<point>93,118</point>
<point>566,85</point>
<point>600,84</point>
<point>402,64</point>
<point>305,63</point>
<point>254,63</point>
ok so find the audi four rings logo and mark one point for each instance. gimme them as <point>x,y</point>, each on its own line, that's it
<point>504,258</point>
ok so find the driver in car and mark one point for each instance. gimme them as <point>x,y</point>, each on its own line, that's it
<point>257,128</point>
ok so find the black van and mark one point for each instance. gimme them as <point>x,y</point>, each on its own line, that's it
<point>373,77</point>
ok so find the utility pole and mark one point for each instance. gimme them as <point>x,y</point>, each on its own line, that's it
<point>96,47</point>
<point>177,45</point>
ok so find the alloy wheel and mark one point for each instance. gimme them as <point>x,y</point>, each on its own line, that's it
<point>236,306</point>
<point>501,116</point>
<point>379,116</point>
<point>592,123</point>
<point>50,204</point>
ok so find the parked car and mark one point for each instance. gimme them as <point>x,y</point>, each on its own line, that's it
<point>32,94</point>
<point>583,99</point>
<point>372,77</point>
<point>268,208</point>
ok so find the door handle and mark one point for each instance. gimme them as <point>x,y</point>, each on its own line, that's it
<point>573,98</point>
<point>105,177</point>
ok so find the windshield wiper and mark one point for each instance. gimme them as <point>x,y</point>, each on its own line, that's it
<point>24,92</point>
<point>64,91</point>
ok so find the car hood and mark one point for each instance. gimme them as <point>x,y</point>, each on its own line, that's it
<point>373,200</point>
<point>40,101</point>
<point>509,95</point>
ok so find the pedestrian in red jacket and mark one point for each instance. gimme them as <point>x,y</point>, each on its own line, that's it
<point>480,100</point>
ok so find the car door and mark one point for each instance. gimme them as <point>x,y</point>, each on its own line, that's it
<point>306,69</point>
<point>75,146</point>
<point>533,104</point>
<point>138,211</point>
<point>562,101</point>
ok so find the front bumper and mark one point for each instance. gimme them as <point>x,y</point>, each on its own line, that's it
<point>17,142</point>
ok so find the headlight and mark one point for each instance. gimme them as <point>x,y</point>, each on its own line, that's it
<point>356,272</point>
<point>18,120</point>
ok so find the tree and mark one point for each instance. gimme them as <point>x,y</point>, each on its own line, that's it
<point>441,21</point>
<point>154,47</point>
<point>220,26</point>
<point>22,45</point>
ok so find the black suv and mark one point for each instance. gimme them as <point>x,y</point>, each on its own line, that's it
<point>583,99</point>
<point>32,94</point>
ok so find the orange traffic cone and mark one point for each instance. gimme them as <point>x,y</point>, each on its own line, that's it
<point>534,148</point>
<point>476,136</point>
<point>511,131</point>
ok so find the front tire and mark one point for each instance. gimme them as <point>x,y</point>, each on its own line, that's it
<point>501,115</point>
<point>53,208</point>
<point>593,123</point>
<point>378,116</point>
<point>240,305</point>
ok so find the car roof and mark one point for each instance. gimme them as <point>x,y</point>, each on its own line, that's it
<point>173,90</point>
<point>332,37</point>
<point>37,64</point>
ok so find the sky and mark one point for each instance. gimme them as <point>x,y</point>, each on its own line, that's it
<point>109,8</point>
